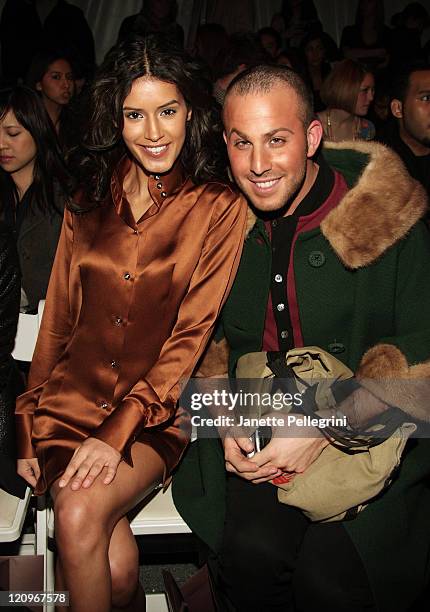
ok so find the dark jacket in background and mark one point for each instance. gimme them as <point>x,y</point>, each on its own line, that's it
<point>10,382</point>
<point>417,166</point>
<point>37,233</point>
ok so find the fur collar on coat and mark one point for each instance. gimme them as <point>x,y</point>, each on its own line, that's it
<point>380,209</point>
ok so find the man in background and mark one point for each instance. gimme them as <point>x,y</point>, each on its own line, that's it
<point>409,137</point>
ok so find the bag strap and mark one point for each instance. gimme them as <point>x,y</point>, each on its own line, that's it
<point>277,362</point>
<point>352,439</point>
<point>356,439</point>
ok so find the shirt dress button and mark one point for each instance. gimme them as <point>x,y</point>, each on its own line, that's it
<point>113,364</point>
<point>118,321</point>
<point>104,405</point>
<point>157,177</point>
<point>284,334</point>
<point>278,278</point>
<point>163,194</point>
<point>280,307</point>
<point>127,276</point>
<point>159,185</point>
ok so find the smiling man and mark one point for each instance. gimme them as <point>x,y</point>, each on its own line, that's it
<point>274,168</point>
<point>327,262</point>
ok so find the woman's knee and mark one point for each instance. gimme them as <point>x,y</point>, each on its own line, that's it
<point>72,517</point>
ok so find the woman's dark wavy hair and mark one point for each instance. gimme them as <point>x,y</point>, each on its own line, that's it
<point>203,154</point>
<point>49,167</point>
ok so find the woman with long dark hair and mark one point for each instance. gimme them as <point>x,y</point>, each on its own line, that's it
<point>145,261</point>
<point>316,65</point>
<point>34,186</point>
<point>51,74</point>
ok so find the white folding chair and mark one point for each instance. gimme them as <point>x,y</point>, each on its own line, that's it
<point>13,509</point>
<point>26,334</point>
<point>12,515</point>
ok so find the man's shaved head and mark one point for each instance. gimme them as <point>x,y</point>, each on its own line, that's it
<point>262,79</point>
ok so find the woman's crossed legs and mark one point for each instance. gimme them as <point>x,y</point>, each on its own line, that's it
<point>97,552</point>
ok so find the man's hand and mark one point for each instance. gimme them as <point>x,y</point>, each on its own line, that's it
<point>88,461</point>
<point>292,448</point>
<point>235,450</point>
<point>29,470</point>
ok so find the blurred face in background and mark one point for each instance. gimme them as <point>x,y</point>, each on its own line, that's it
<point>17,146</point>
<point>365,95</point>
<point>269,44</point>
<point>57,85</point>
<point>315,52</point>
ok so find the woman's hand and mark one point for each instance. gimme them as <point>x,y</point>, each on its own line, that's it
<point>88,460</point>
<point>29,470</point>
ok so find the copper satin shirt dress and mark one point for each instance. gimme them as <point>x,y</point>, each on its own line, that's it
<point>129,310</point>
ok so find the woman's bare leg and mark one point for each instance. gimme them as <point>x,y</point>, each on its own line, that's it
<point>85,521</point>
<point>60,585</point>
<point>124,569</point>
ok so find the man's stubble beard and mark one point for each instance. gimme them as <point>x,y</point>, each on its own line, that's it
<point>287,198</point>
<point>412,133</point>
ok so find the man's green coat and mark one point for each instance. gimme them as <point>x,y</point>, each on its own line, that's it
<point>359,287</point>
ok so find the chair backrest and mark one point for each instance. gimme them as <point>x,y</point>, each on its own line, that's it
<point>26,335</point>
<point>12,515</point>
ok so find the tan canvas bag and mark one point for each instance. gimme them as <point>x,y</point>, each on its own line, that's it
<point>339,483</point>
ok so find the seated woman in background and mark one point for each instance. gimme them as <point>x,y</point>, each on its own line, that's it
<point>347,93</point>
<point>51,74</point>
<point>316,64</point>
<point>146,258</point>
<point>369,40</point>
<point>10,381</point>
<point>34,185</point>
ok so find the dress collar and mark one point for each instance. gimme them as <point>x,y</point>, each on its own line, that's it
<point>161,186</point>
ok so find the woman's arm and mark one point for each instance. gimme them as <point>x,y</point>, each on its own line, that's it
<point>153,399</point>
<point>52,339</point>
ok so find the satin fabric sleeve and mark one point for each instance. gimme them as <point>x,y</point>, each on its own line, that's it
<point>52,339</point>
<point>153,399</point>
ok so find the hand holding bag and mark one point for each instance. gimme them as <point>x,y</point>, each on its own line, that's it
<point>356,466</point>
